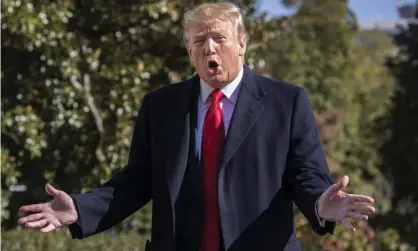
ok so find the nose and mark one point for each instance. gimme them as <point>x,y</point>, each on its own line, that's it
<point>210,47</point>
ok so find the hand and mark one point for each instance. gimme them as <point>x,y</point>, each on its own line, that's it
<point>337,206</point>
<point>59,212</point>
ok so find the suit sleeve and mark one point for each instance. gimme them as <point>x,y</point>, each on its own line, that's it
<point>307,175</point>
<point>126,192</point>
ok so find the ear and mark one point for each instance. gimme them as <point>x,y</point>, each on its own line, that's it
<point>242,47</point>
<point>189,52</point>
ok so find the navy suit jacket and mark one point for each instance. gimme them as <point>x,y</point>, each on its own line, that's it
<point>272,157</point>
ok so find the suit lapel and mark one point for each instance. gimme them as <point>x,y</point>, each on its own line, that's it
<point>247,110</point>
<point>178,122</point>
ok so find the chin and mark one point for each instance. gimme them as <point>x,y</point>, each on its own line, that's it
<point>219,79</point>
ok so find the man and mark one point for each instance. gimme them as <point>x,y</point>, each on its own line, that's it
<point>222,155</point>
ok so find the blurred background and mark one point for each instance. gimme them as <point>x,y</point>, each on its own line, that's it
<point>73,74</point>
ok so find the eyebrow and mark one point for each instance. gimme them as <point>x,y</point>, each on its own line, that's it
<point>215,32</point>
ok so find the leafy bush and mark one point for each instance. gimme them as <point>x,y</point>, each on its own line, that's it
<point>365,238</point>
<point>32,240</point>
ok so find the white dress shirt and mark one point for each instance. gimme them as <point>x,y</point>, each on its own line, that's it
<point>227,104</point>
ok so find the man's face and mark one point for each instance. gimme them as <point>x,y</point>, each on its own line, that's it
<point>215,52</point>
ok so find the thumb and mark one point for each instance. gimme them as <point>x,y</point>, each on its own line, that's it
<point>340,184</point>
<point>51,190</point>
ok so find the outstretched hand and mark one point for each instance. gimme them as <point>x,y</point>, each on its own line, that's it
<point>59,212</point>
<point>337,206</point>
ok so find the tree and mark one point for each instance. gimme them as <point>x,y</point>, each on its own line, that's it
<point>321,49</point>
<point>400,151</point>
<point>74,74</point>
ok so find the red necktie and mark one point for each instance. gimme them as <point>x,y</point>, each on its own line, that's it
<point>212,141</point>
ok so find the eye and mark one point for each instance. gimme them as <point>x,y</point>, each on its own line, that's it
<point>220,38</point>
<point>199,41</point>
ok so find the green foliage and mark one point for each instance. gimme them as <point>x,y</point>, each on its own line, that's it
<point>364,238</point>
<point>32,240</point>
<point>348,87</point>
<point>74,78</point>
<point>321,49</point>
<point>75,73</point>
<point>400,151</point>
<point>7,167</point>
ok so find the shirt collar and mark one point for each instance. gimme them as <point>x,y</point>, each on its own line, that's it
<point>230,91</point>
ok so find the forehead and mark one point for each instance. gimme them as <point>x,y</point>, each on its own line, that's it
<point>218,26</point>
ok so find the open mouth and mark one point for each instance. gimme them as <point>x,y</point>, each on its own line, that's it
<point>213,66</point>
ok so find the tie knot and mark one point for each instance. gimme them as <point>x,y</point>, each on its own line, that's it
<point>216,96</point>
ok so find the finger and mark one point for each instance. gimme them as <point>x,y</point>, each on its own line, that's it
<point>341,184</point>
<point>37,224</point>
<point>362,204</point>
<point>48,228</point>
<point>33,217</point>
<point>33,208</point>
<point>362,208</point>
<point>357,216</point>
<point>348,225</point>
<point>51,190</point>
<point>352,198</point>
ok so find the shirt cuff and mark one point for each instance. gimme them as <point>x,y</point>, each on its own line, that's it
<point>75,228</point>
<point>320,221</point>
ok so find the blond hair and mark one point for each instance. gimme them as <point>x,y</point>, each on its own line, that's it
<point>209,13</point>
